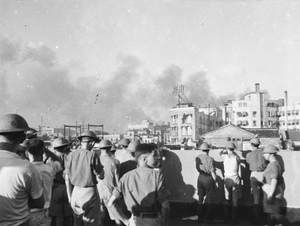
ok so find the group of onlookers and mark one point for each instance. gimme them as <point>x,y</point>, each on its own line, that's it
<point>266,177</point>
<point>62,186</point>
<point>77,187</point>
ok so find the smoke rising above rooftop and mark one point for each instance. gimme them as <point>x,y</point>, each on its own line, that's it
<point>35,84</point>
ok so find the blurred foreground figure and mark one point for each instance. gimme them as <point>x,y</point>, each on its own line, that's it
<point>21,187</point>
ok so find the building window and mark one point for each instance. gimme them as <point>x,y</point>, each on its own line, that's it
<point>254,123</point>
<point>245,104</point>
<point>245,113</point>
<point>240,105</point>
<point>189,130</point>
<point>254,114</point>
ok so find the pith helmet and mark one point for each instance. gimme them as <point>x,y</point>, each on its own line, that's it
<point>204,146</point>
<point>60,142</point>
<point>89,134</point>
<point>124,142</point>
<point>13,123</point>
<point>270,149</point>
<point>255,141</point>
<point>230,145</point>
<point>104,144</point>
<point>134,146</point>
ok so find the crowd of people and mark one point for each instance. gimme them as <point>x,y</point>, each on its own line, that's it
<point>61,186</point>
<point>265,178</point>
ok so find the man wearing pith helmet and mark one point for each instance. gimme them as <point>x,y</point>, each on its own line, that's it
<point>81,169</point>
<point>273,187</point>
<point>232,182</point>
<point>60,208</point>
<point>20,181</point>
<point>207,182</point>
<point>110,181</point>
<point>257,165</point>
<point>123,155</point>
<point>131,163</point>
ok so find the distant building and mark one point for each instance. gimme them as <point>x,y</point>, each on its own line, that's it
<point>146,124</point>
<point>148,132</point>
<point>189,122</point>
<point>114,138</point>
<point>253,111</point>
<point>289,117</point>
<point>240,136</point>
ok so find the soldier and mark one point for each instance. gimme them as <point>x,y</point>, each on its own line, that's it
<point>60,209</point>
<point>131,163</point>
<point>144,191</point>
<point>113,151</point>
<point>123,155</point>
<point>21,187</point>
<point>107,185</point>
<point>273,187</point>
<point>81,169</point>
<point>257,164</point>
<point>47,171</point>
<point>207,182</point>
<point>232,181</point>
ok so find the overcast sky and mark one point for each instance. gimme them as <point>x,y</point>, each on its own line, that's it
<point>116,62</point>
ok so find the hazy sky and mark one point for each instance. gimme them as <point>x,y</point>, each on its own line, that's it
<point>116,62</point>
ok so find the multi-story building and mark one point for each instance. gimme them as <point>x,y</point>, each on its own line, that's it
<point>189,122</point>
<point>183,124</point>
<point>254,110</point>
<point>289,117</point>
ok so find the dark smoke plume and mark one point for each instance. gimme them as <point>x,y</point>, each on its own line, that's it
<point>34,84</point>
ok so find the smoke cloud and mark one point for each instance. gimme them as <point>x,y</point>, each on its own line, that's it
<point>35,85</point>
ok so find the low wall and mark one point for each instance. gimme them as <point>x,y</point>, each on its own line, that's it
<point>181,178</point>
